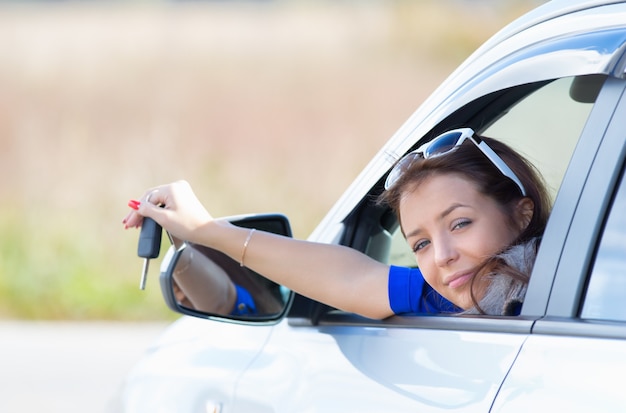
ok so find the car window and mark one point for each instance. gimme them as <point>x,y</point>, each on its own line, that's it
<point>605,297</point>
<point>544,126</point>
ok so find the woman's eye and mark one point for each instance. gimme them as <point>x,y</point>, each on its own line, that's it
<point>461,223</point>
<point>420,245</point>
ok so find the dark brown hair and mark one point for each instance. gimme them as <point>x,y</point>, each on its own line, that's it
<point>470,163</point>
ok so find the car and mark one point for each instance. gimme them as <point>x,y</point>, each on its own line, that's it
<point>552,85</point>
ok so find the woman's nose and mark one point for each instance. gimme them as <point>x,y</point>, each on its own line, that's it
<point>445,253</point>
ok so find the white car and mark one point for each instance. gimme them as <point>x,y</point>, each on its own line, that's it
<point>551,84</point>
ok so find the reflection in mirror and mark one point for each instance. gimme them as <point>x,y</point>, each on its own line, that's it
<point>207,281</point>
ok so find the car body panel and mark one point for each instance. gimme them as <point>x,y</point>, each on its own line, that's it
<point>556,373</point>
<point>172,375</point>
<point>326,368</point>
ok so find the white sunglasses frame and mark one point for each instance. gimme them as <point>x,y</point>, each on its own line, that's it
<point>465,134</point>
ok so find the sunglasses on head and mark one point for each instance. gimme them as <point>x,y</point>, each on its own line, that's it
<point>446,143</point>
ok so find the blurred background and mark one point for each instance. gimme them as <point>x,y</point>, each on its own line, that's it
<point>264,106</point>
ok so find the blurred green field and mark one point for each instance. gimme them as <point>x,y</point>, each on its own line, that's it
<point>269,107</point>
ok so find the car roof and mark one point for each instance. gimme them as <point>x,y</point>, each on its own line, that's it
<point>548,11</point>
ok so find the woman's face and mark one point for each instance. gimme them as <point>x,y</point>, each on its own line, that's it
<point>452,228</point>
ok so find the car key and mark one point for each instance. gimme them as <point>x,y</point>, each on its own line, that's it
<point>149,246</point>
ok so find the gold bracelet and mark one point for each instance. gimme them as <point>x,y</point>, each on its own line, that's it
<point>245,246</point>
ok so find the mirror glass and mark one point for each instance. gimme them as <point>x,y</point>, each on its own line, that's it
<point>208,281</point>
<point>204,282</point>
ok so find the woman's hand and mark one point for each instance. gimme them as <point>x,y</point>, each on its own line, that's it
<point>175,207</point>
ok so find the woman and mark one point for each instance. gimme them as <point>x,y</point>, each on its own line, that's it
<point>471,209</point>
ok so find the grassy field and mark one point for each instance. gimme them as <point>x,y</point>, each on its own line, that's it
<point>270,107</point>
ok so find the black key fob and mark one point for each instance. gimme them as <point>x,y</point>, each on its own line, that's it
<point>149,239</point>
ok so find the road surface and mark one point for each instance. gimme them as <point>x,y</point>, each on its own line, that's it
<point>68,367</point>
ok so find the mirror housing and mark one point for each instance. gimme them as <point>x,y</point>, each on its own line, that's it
<point>202,282</point>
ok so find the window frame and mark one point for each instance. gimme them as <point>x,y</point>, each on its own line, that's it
<point>578,217</point>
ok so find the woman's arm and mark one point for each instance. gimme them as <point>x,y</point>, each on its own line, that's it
<point>335,275</point>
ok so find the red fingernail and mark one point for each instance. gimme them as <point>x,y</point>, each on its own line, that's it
<point>134,204</point>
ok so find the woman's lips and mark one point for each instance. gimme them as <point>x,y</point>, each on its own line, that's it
<point>457,281</point>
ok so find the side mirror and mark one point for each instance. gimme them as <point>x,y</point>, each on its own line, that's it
<point>202,282</point>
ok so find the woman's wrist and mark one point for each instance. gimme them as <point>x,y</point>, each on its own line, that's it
<point>223,236</point>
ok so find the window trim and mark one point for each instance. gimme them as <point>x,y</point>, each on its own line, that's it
<point>559,326</point>
<point>475,323</point>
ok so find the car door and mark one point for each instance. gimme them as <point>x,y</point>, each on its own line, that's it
<point>338,361</point>
<point>576,354</point>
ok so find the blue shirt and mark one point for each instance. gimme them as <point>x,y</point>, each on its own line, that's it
<point>410,293</point>
<point>244,304</point>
